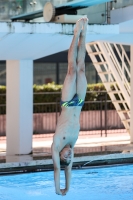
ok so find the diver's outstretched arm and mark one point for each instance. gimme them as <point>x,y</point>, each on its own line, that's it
<point>68,170</point>
<point>56,162</point>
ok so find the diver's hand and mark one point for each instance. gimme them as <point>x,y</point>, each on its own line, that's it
<point>64,191</point>
<point>58,192</point>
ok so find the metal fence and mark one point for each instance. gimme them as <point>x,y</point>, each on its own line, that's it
<point>97,116</point>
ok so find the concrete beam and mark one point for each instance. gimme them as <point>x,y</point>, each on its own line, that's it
<point>20,40</point>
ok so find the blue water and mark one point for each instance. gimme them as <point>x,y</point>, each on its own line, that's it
<point>111,183</point>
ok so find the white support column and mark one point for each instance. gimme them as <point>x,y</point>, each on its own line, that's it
<point>131,101</point>
<point>19,114</point>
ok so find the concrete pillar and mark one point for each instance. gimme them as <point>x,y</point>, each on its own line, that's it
<point>131,124</point>
<point>19,105</point>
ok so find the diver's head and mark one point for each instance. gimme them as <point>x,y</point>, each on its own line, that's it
<point>66,155</point>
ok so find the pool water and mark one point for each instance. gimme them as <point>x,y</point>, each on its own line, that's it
<point>110,183</point>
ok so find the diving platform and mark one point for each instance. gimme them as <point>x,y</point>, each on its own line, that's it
<point>20,40</point>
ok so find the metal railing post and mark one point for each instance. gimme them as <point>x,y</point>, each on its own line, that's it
<point>106,114</point>
<point>56,109</point>
<point>101,117</point>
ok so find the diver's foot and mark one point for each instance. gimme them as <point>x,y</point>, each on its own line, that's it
<point>78,27</point>
<point>84,29</point>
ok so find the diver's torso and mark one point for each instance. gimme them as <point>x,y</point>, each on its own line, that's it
<point>68,127</point>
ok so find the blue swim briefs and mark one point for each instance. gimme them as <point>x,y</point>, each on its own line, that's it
<point>76,101</point>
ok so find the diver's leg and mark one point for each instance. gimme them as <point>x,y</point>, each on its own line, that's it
<point>81,78</point>
<point>69,86</point>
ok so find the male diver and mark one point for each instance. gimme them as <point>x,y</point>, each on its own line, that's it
<point>73,95</point>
